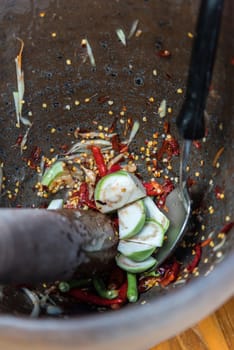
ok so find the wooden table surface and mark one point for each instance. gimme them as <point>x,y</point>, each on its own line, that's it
<point>215,332</point>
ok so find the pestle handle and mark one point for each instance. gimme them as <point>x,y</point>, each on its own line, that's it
<point>190,121</point>
<point>38,245</point>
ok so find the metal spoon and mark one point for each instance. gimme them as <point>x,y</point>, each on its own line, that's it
<point>190,121</point>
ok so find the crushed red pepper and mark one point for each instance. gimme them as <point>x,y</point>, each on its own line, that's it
<point>198,251</point>
<point>171,274</point>
<point>227,227</point>
<point>153,188</point>
<point>170,147</point>
<point>83,194</point>
<point>164,53</point>
<point>168,273</point>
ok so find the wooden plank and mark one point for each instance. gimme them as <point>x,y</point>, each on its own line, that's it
<point>215,332</point>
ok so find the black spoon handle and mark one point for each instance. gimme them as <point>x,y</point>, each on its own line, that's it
<point>190,121</point>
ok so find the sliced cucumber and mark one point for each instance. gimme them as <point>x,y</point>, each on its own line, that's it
<point>134,250</point>
<point>152,212</point>
<point>116,190</point>
<point>131,219</point>
<point>55,204</point>
<point>132,266</point>
<point>151,234</point>
<point>51,173</point>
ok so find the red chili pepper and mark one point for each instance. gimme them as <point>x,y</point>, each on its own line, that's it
<point>196,259</point>
<point>116,278</point>
<point>153,188</point>
<point>171,274</point>
<point>83,193</point>
<point>227,227</point>
<point>114,168</point>
<point>123,292</point>
<point>100,162</point>
<point>90,298</point>
<point>116,143</point>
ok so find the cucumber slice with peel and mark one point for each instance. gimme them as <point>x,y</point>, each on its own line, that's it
<point>55,204</point>
<point>134,250</point>
<point>151,234</point>
<point>52,173</point>
<point>132,266</point>
<point>131,219</point>
<point>116,190</point>
<point>152,212</point>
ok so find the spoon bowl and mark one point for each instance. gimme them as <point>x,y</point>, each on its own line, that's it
<point>179,209</point>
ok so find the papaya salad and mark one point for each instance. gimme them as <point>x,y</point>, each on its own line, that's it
<point>100,172</point>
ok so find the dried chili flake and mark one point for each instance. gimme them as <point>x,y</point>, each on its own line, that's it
<point>227,227</point>
<point>153,188</point>
<point>206,242</point>
<point>219,193</point>
<point>18,140</point>
<point>36,154</point>
<point>164,53</point>
<point>103,99</point>
<point>147,283</point>
<point>166,127</point>
<point>170,274</point>
<point>197,144</point>
<point>170,146</point>
<point>167,187</point>
<point>191,182</point>
<point>63,148</point>
<point>196,259</point>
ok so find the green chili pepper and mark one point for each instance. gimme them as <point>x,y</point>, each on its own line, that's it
<point>102,291</point>
<point>132,292</point>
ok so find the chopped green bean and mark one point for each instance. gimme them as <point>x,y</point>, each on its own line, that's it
<point>64,287</point>
<point>132,292</point>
